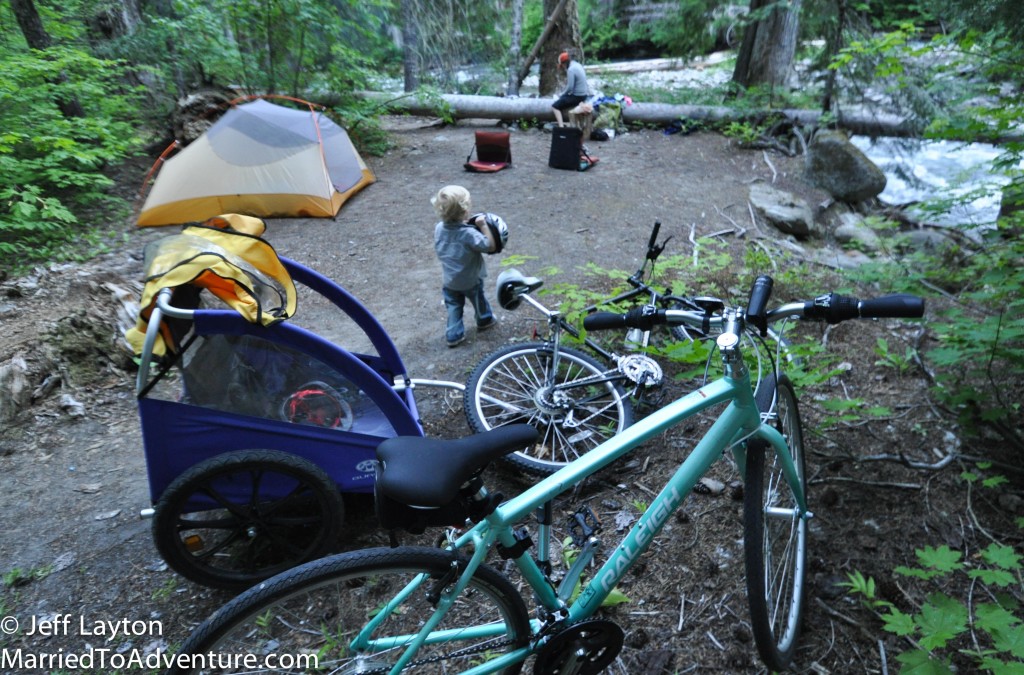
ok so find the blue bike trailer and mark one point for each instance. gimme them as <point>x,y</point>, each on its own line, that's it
<point>228,383</point>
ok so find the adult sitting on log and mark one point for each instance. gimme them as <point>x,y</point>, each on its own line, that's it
<point>576,90</point>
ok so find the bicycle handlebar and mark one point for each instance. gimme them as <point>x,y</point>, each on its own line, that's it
<point>652,242</point>
<point>829,307</point>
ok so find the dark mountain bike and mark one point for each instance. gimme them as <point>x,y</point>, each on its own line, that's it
<point>577,399</point>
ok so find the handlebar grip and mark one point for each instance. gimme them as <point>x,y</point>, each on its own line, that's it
<point>604,321</point>
<point>835,308</point>
<point>644,318</point>
<point>757,308</point>
<point>654,235</point>
<point>896,305</point>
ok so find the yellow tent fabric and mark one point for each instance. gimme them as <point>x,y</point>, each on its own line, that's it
<point>225,256</point>
<point>259,159</point>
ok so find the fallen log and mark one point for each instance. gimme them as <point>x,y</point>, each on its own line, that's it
<point>461,106</point>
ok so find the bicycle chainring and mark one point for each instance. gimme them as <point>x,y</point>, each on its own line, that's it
<point>641,369</point>
<point>583,648</point>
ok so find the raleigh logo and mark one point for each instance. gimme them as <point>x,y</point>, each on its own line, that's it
<point>634,544</point>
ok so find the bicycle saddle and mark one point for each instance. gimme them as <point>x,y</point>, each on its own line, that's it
<point>511,285</point>
<point>429,471</point>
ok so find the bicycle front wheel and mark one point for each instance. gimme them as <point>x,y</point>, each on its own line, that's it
<point>775,536</point>
<point>573,401</point>
<point>305,620</point>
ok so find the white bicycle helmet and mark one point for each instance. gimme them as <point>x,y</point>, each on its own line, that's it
<point>498,228</point>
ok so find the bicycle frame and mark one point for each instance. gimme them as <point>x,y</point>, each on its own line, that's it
<point>739,421</point>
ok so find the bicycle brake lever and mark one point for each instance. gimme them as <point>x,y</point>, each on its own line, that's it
<point>654,251</point>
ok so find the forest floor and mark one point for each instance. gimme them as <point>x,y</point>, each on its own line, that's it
<point>74,481</point>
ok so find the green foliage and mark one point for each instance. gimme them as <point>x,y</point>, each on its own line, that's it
<point>20,577</point>
<point>937,623</point>
<point>743,133</point>
<point>294,47</point>
<point>164,591</point>
<point>889,358</point>
<point>53,165</point>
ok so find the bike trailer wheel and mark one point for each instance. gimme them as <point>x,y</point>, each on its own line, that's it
<point>241,517</point>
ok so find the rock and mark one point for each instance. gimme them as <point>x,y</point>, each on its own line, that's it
<point>929,240</point>
<point>15,390</point>
<point>71,406</point>
<point>852,231</point>
<point>837,166</point>
<point>788,213</point>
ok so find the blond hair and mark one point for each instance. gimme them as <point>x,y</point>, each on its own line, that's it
<point>452,203</point>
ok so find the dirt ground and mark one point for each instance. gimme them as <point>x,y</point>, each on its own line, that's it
<point>74,476</point>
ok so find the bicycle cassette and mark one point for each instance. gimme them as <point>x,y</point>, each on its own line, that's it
<point>583,648</point>
<point>641,369</point>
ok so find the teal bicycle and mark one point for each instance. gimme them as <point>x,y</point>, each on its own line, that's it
<point>450,610</point>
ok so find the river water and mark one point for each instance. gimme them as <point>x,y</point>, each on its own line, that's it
<point>919,171</point>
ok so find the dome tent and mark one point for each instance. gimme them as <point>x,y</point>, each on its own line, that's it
<point>259,159</point>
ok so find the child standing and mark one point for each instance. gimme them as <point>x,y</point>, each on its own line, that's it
<point>459,245</point>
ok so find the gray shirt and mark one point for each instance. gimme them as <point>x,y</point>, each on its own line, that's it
<point>459,247</point>
<point>576,80</point>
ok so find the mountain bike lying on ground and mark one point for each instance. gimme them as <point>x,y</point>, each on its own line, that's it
<point>447,610</point>
<point>576,401</point>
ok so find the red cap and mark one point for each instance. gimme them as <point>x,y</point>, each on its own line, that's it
<point>563,57</point>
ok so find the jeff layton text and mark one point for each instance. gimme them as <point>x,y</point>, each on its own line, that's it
<point>65,624</point>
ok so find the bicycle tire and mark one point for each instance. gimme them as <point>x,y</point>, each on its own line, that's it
<point>252,534</point>
<point>775,545</point>
<point>508,387</point>
<point>316,608</point>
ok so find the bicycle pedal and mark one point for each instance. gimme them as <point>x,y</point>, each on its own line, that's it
<point>583,525</point>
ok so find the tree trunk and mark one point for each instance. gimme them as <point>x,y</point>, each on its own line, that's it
<point>769,44</point>
<point>498,108</point>
<point>548,27</point>
<point>565,34</point>
<point>37,38</point>
<point>410,46</point>
<point>835,44</point>
<point>514,49</point>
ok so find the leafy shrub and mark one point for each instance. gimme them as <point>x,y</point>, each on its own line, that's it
<point>53,165</point>
<point>993,621</point>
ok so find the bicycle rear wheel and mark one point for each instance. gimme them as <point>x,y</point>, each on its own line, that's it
<point>572,405</point>
<point>775,536</point>
<point>304,620</point>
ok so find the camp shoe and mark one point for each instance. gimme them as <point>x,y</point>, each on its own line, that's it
<point>487,324</point>
<point>456,342</point>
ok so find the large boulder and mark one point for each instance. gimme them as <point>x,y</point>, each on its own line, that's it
<point>838,167</point>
